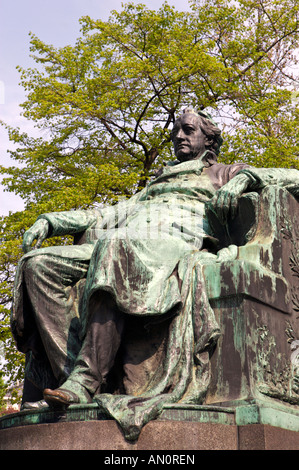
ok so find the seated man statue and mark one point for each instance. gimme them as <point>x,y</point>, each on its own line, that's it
<point>143,268</point>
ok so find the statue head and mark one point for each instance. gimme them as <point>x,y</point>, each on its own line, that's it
<point>193,133</point>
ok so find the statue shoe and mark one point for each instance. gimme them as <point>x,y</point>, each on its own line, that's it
<point>63,397</point>
<point>34,405</point>
<point>60,397</point>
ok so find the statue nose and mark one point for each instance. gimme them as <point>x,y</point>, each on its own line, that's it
<point>180,135</point>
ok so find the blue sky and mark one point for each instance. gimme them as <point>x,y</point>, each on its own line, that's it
<point>54,22</point>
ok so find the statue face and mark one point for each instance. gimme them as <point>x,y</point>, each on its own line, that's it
<point>188,139</point>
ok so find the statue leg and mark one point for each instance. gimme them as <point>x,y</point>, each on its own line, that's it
<point>50,304</point>
<point>96,357</point>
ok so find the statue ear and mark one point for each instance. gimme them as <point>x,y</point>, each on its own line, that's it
<point>208,141</point>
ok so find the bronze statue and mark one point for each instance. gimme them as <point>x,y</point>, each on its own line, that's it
<point>93,317</point>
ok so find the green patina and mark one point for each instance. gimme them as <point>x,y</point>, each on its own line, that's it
<point>157,257</point>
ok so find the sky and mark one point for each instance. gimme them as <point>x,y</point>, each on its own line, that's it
<point>54,22</point>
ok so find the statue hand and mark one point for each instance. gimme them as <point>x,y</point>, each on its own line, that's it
<point>38,231</point>
<point>225,202</point>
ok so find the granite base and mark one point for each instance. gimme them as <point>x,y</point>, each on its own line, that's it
<point>250,426</point>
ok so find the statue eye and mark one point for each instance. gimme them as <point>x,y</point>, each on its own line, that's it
<point>188,129</point>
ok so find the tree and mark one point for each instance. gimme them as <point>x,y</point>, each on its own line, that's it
<point>2,394</point>
<point>105,106</point>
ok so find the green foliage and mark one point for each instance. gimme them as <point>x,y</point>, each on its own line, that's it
<point>2,393</point>
<point>105,106</point>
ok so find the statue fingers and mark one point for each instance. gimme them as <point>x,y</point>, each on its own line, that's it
<point>224,202</point>
<point>38,231</point>
<point>28,239</point>
<point>39,242</point>
<point>211,204</point>
<point>234,206</point>
<point>221,204</point>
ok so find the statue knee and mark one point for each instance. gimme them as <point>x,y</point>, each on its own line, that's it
<point>35,265</point>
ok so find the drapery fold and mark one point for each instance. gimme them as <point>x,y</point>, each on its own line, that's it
<point>184,372</point>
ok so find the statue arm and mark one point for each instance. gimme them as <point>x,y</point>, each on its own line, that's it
<point>283,177</point>
<point>225,201</point>
<point>59,223</point>
<point>70,222</point>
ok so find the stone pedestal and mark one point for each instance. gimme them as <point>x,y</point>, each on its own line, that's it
<point>255,300</point>
<point>247,426</point>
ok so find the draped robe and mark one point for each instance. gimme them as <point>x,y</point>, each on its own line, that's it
<point>148,255</point>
